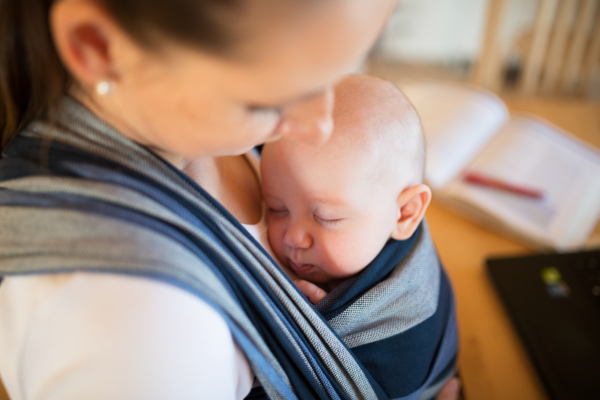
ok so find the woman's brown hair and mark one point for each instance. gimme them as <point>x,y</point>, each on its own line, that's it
<point>32,77</point>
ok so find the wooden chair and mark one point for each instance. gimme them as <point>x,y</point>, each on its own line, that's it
<point>563,56</point>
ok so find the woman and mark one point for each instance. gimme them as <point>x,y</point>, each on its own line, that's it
<point>91,91</point>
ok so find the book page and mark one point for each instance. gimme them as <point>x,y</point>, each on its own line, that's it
<point>534,154</point>
<point>458,120</point>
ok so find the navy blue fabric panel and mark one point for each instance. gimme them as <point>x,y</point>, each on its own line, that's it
<point>392,253</point>
<point>402,363</point>
<point>258,393</point>
<point>27,156</point>
<point>451,367</point>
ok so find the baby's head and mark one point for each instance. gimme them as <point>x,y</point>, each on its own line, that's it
<point>332,208</point>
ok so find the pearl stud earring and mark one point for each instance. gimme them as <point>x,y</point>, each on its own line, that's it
<point>105,87</point>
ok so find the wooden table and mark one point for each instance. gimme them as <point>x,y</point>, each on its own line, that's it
<point>492,361</point>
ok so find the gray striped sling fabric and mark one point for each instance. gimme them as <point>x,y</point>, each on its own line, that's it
<point>75,195</point>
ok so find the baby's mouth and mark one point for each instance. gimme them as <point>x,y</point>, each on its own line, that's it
<point>301,268</point>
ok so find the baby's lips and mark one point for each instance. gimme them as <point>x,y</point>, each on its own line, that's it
<point>300,268</point>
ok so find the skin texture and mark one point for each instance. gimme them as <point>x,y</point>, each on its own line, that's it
<point>332,208</point>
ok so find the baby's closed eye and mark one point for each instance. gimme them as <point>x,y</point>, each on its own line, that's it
<point>328,222</point>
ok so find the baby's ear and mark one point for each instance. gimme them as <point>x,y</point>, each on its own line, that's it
<point>412,204</point>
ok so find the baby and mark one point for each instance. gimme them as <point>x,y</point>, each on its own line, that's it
<point>345,221</point>
<point>332,208</point>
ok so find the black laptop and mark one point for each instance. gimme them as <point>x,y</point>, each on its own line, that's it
<point>554,302</point>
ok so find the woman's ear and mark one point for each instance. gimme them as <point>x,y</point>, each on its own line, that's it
<point>412,204</point>
<point>85,36</point>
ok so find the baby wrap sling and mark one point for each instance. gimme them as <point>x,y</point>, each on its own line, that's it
<point>75,195</point>
<point>397,315</point>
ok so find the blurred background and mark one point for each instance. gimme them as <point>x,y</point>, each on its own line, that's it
<point>520,47</point>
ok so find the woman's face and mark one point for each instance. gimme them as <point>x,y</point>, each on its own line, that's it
<point>184,102</point>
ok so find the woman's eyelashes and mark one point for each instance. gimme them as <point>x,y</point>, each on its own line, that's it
<point>261,110</point>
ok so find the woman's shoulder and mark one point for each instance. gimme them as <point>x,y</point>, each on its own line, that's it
<point>122,336</point>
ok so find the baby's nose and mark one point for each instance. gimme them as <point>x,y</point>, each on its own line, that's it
<point>296,237</point>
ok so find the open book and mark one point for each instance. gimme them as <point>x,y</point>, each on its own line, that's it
<point>469,130</point>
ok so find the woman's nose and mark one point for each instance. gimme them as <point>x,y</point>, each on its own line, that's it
<point>297,237</point>
<point>309,120</point>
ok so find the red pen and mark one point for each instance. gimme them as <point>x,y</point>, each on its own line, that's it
<point>487,181</point>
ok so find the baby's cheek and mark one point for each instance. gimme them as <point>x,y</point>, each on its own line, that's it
<point>339,256</point>
<point>275,237</point>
